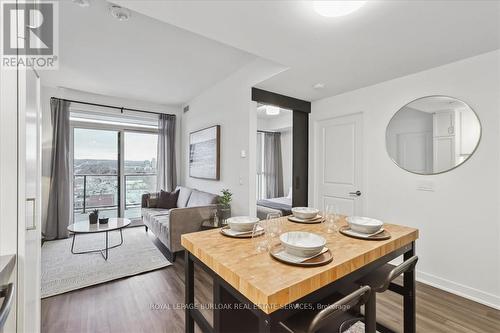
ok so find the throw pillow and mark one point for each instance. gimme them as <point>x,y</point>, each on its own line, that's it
<point>168,200</point>
<point>152,202</point>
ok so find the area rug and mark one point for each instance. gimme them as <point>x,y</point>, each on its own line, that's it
<point>63,271</point>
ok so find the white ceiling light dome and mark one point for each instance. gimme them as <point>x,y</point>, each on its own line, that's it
<point>119,13</point>
<point>269,110</point>
<point>337,8</point>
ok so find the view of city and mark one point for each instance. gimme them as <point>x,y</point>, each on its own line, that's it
<point>96,180</point>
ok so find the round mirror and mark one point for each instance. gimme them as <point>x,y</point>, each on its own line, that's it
<point>432,135</point>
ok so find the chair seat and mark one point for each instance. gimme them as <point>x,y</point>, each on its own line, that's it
<point>299,322</point>
<point>377,278</point>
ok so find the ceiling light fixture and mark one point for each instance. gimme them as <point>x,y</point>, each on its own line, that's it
<point>82,3</point>
<point>337,8</point>
<point>319,85</point>
<point>270,110</point>
<point>119,13</point>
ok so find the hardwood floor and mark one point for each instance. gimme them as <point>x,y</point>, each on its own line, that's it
<point>152,302</point>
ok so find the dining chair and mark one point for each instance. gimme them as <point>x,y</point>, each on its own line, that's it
<point>329,319</point>
<point>379,281</point>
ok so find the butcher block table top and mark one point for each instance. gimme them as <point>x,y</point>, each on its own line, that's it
<point>270,284</point>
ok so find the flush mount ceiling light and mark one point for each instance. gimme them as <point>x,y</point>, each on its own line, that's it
<point>318,85</point>
<point>270,110</point>
<point>82,3</point>
<point>336,8</point>
<point>119,13</point>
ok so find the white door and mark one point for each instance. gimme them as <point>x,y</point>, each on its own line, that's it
<point>414,151</point>
<point>339,163</point>
<point>29,232</point>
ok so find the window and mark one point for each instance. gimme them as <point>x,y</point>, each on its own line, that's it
<point>140,151</point>
<point>114,162</point>
<point>95,172</point>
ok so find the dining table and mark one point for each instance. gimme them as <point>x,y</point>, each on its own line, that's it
<point>253,292</point>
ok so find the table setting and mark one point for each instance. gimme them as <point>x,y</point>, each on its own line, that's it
<point>275,236</point>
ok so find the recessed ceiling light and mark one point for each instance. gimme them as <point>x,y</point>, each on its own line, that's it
<point>336,8</point>
<point>82,3</point>
<point>119,13</point>
<point>319,85</point>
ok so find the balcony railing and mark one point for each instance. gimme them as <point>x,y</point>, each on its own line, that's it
<point>100,191</point>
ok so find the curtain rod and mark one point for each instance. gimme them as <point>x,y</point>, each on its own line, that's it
<point>121,108</point>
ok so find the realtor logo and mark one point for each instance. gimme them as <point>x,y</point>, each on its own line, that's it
<point>29,35</point>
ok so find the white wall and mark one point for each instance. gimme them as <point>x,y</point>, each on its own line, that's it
<point>459,223</point>
<point>228,103</point>
<point>48,92</point>
<point>8,178</point>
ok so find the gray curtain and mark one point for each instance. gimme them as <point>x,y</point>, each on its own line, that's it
<point>59,205</point>
<point>273,165</point>
<point>167,173</point>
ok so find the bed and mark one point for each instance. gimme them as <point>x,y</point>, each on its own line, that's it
<point>281,205</point>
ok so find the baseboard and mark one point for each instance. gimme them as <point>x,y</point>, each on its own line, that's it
<point>473,294</point>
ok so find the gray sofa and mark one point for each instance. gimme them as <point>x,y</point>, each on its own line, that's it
<point>193,207</point>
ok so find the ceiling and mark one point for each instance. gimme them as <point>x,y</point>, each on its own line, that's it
<point>141,59</point>
<point>381,41</point>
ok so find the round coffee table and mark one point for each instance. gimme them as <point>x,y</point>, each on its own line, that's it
<point>114,223</point>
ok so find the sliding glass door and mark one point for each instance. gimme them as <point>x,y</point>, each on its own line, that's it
<point>139,169</point>
<point>95,173</point>
<point>112,169</point>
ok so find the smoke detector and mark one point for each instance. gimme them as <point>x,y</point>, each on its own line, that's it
<point>119,13</point>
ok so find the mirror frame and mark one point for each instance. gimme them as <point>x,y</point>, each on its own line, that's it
<point>441,172</point>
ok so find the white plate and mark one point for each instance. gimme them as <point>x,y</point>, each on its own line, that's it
<point>302,243</point>
<point>364,225</point>
<point>240,234</point>
<point>317,219</point>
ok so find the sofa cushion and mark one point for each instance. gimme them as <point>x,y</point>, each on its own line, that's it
<point>160,226</point>
<point>184,194</point>
<point>167,200</point>
<point>200,198</point>
<point>149,213</point>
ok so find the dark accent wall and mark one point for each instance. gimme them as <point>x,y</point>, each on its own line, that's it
<point>301,110</point>
<point>285,102</point>
<point>300,174</point>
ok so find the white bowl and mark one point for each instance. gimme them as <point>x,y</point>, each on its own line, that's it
<point>302,244</point>
<point>364,225</point>
<point>242,223</point>
<point>305,212</point>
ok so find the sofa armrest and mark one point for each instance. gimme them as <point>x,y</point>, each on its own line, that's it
<point>186,220</point>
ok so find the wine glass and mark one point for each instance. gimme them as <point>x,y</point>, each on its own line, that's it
<point>274,224</point>
<point>331,217</point>
<point>260,238</point>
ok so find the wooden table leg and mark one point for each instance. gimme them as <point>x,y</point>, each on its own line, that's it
<point>189,292</point>
<point>409,308</point>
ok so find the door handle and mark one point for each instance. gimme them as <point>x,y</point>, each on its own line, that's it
<point>33,222</point>
<point>357,193</point>
<point>7,292</point>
